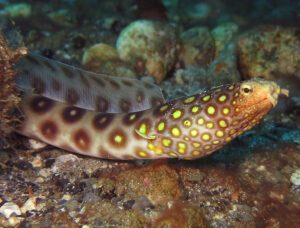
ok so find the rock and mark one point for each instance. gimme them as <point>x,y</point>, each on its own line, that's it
<point>103,58</point>
<point>106,214</point>
<point>36,144</point>
<point>17,10</point>
<point>61,17</point>
<point>99,52</point>
<point>223,69</point>
<point>150,46</point>
<point>271,52</point>
<point>223,34</point>
<point>295,178</point>
<point>198,11</point>
<point>198,48</point>
<point>64,161</point>
<point>29,205</point>
<point>9,209</point>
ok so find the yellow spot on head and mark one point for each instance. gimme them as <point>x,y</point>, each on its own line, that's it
<point>142,154</point>
<point>222,123</point>
<point>235,123</point>
<point>237,109</point>
<point>195,109</point>
<point>206,136</point>
<point>150,146</point>
<point>232,131</point>
<point>200,121</point>
<point>220,134</point>
<point>216,142</point>
<point>166,142</point>
<point>233,102</point>
<point>207,147</point>
<point>143,128</point>
<point>231,87</point>
<point>189,100</point>
<point>196,144</point>
<point>175,131</point>
<point>206,98</point>
<point>225,111</point>
<point>177,114</point>
<point>194,132</point>
<point>163,108</point>
<point>161,126</point>
<point>210,125</point>
<point>195,153</point>
<point>181,147</point>
<point>186,138</point>
<point>222,98</point>
<point>187,123</point>
<point>173,155</point>
<point>236,94</point>
<point>228,139</point>
<point>211,110</point>
<point>132,117</point>
<point>118,139</point>
<point>158,151</point>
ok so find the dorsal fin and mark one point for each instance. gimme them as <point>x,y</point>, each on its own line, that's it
<point>84,89</point>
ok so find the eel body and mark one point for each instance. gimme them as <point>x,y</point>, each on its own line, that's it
<point>187,128</point>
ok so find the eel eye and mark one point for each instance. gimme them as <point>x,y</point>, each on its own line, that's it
<point>246,89</point>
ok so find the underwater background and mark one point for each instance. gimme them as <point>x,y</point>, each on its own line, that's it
<point>185,47</point>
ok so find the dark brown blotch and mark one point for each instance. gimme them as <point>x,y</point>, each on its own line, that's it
<point>156,101</point>
<point>131,118</point>
<point>49,65</point>
<point>55,85</point>
<point>101,104</point>
<point>148,85</point>
<point>113,83</point>
<point>72,114</point>
<point>82,140</point>
<point>32,60</point>
<point>72,96</point>
<point>127,82</point>
<point>140,96</point>
<point>83,79</point>
<point>125,105</point>
<point>102,120</point>
<point>69,73</point>
<point>49,129</point>
<point>41,105</point>
<point>38,85</point>
<point>98,81</point>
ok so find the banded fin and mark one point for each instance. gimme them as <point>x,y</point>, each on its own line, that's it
<point>84,89</point>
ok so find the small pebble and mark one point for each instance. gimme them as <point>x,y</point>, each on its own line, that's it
<point>67,197</point>
<point>37,162</point>
<point>29,205</point>
<point>36,144</point>
<point>295,177</point>
<point>14,221</point>
<point>10,208</point>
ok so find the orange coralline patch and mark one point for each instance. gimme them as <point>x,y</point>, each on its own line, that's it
<point>9,97</point>
<point>182,215</point>
<point>159,183</point>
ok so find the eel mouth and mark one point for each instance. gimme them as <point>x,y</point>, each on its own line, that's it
<point>272,89</point>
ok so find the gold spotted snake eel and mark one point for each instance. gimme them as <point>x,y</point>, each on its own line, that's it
<point>74,110</point>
